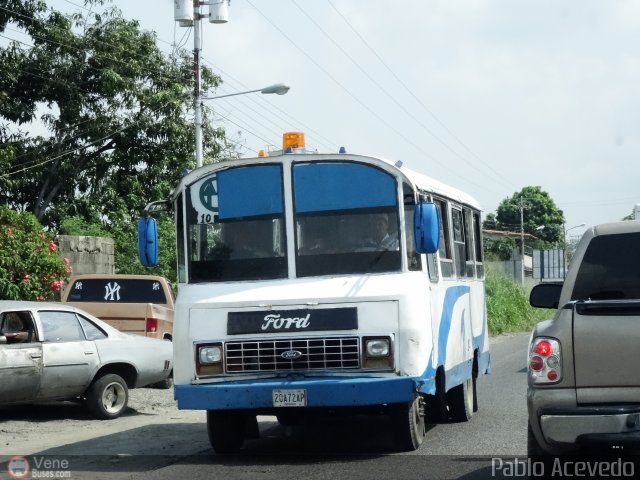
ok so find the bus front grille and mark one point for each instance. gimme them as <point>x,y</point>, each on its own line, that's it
<point>337,353</point>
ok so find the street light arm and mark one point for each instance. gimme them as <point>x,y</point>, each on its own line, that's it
<point>231,94</point>
<point>278,88</point>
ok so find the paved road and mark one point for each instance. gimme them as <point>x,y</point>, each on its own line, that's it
<point>337,449</point>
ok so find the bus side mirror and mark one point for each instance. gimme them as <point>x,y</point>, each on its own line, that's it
<point>148,241</point>
<point>426,227</point>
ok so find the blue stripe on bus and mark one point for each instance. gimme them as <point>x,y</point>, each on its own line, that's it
<point>321,392</point>
<point>457,374</point>
<point>452,295</point>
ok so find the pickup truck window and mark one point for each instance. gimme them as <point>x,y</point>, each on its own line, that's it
<point>609,269</point>
<point>117,290</point>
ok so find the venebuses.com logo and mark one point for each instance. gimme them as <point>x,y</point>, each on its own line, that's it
<point>18,467</point>
<point>38,467</point>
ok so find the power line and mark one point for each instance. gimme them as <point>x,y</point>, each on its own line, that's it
<point>386,93</point>
<point>360,102</point>
<point>420,102</point>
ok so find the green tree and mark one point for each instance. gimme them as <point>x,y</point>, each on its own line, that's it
<point>30,267</point>
<point>115,108</point>
<point>539,211</point>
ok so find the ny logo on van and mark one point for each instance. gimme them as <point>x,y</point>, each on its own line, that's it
<point>112,292</point>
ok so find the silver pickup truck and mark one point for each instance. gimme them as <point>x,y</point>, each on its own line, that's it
<point>584,363</point>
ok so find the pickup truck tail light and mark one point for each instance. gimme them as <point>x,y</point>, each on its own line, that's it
<point>545,360</point>
<point>152,325</point>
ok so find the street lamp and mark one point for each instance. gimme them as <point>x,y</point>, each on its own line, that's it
<point>187,14</point>
<point>277,88</point>
<point>564,237</point>
<point>564,241</point>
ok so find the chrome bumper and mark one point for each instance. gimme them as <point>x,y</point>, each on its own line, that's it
<point>589,425</point>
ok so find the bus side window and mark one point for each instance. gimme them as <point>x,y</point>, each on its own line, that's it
<point>459,246</point>
<point>468,242</point>
<point>444,251</point>
<point>414,262</point>
<point>477,237</point>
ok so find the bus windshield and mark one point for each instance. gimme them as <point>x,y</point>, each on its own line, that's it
<point>235,225</point>
<point>346,218</point>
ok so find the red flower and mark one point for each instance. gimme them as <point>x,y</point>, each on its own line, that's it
<point>52,246</point>
<point>67,262</point>
<point>25,279</point>
<point>57,285</point>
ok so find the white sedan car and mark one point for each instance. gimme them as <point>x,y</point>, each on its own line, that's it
<point>50,351</point>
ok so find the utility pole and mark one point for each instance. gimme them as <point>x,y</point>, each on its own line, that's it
<point>521,205</point>
<point>187,14</point>
<point>197,77</point>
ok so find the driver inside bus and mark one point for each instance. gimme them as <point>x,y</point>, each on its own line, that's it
<point>379,235</point>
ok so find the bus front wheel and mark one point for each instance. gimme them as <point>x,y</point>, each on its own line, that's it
<point>226,430</point>
<point>409,424</point>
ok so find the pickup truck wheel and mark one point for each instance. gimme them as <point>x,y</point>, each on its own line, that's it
<point>108,396</point>
<point>460,400</point>
<point>409,424</point>
<point>226,430</point>
<point>537,454</point>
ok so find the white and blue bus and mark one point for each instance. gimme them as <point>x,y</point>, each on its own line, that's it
<point>314,284</point>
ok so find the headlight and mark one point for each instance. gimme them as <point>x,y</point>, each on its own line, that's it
<point>378,347</point>
<point>210,355</point>
<point>209,359</point>
<point>377,353</point>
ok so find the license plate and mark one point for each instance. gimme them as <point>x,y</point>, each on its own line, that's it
<point>289,398</point>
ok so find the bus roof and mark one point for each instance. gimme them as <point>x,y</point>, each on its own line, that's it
<point>418,180</point>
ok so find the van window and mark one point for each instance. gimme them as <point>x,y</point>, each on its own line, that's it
<point>125,290</point>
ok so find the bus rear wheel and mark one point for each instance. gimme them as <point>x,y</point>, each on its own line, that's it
<point>409,424</point>
<point>461,401</point>
<point>226,430</point>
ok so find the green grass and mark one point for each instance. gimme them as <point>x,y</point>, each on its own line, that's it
<point>508,308</point>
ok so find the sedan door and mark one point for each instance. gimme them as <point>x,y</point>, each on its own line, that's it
<point>20,371</point>
<point>20,361</point>
<point>69,359</point>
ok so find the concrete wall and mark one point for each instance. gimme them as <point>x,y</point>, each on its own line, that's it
<point>88,254</point>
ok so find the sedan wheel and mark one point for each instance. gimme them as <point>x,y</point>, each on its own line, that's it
<point>108,396</point>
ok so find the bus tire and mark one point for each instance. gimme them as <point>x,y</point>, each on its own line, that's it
<point>460,400</point>
<point>225,430</point>
<point>409,424</point>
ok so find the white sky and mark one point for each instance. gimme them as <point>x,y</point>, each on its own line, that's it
<point>486,95</point>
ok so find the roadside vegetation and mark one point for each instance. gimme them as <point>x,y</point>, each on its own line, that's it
<point>508,308</point>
